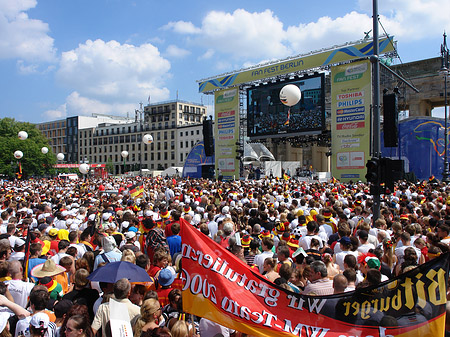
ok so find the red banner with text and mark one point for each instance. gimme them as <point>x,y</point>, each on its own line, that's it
<point>222,288</point>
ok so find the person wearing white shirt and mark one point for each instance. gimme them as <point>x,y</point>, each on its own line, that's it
<point>266,245</point>
<point>19,289</point>
<point>405,238</point>
<point>345,245</point>
<point>364,246</point>
<point>62,249</point>
<point>312,228</point>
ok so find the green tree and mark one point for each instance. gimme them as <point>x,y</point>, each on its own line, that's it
<point>33,162</point>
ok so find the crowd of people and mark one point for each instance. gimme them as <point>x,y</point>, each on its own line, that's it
<point>308,238</point>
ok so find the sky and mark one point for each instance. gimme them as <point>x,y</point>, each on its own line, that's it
<point>61,58</point>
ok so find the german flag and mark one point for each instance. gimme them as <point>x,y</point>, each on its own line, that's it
<point>286,177</point>
<point>19,174</point>
<point>137,190</point>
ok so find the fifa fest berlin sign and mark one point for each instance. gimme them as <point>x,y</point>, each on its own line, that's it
<point>321,59</point>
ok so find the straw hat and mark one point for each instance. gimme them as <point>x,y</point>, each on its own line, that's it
<point>48,268</point>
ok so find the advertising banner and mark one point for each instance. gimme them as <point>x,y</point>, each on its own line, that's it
<point>351,99</point>
<point>224,289</point>
<point>226,133</point>
<point>304,62</point>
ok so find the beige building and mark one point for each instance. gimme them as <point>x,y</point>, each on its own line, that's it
<point>55,132</point>
<point>176,126</point>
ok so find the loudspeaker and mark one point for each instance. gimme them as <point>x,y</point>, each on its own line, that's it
<point>208,139</point>
<point>393,170</point>
<point>208,171</point>
<point>390,124</point>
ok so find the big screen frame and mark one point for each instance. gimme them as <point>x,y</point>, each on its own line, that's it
<point>267,117</point>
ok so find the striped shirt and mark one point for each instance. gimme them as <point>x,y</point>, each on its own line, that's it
<point>320,287</point>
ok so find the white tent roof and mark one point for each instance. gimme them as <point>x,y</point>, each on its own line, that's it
<point>256,152</point>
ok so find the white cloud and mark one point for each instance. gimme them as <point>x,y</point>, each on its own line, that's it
<point>207,55</point>
<point>22,37</point>
<point>415,19</point>
<point>177,52</point>
<point>182,27</point>
<point>25,69</point>
<point>242,34</point>
<point>112,72</point>
<point>253,36</point>
<point>326,32</point>
<point>79,105</point>
<point>57,113</point>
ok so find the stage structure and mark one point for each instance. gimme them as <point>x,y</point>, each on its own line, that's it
<point>247,104</point>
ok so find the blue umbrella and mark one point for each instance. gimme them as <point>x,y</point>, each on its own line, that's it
<point>114,271</point>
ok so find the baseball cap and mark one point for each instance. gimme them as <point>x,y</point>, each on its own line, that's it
<point>373,263</point>
<point>345,240</point>
<point>130,235</point>
<point>40,320</point>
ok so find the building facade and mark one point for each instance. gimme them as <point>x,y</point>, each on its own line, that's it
<point>176,126</point>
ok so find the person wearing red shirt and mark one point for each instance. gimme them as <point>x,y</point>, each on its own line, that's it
<point>165,280</point>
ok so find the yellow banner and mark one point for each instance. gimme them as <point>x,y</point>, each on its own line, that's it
<point>226,131</point>
<point>351,98</point>
<point>298,64</point>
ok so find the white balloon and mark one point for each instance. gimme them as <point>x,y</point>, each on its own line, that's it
<point>44,150</point>
<point>18,154</point>
<point>60,156</point>
<point>124,154</point>
<point>22,135</point>
<point>290,95</point>
<point>84,168</point>
<point>147,139</point>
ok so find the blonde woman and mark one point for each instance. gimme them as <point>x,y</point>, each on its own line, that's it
<point>389,259</point>
<point>269,269</point>
<point>181,329</point>
<point>150,316</point>
<point>128,255</point>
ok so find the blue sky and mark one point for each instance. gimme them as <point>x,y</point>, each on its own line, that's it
<point>61,58</point>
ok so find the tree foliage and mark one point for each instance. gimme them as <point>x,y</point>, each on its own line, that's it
<point>33,162</point>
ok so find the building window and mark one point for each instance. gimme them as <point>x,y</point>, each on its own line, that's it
<point>198,132</point>
<point>181,157</point>
<point>159,156</point>
<point>181,145</point>
<point>181,107</point>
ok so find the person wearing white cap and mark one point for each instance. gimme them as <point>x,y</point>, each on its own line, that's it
<point>38,300</point>
<point>39,325</point>
<point>130,242</point>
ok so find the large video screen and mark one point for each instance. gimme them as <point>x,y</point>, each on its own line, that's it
<point>267,116</point>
